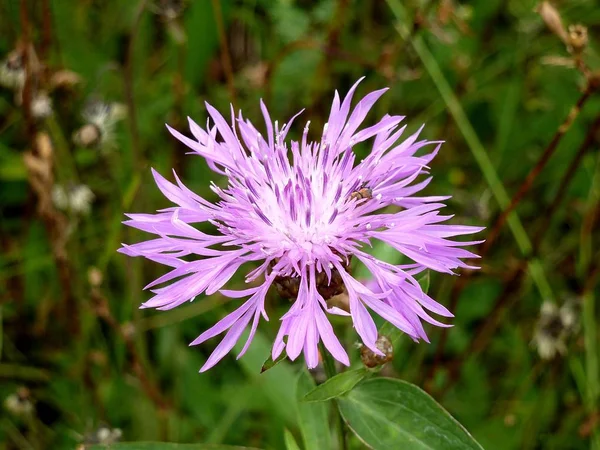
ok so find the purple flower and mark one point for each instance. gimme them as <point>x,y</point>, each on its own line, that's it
<point>300,211</point>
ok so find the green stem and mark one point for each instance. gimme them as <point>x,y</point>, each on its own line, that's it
<point>330,371</point>
<point>66,169</point>
<point>590,326</point>
<point>23,373</point>
<point>592,388</point>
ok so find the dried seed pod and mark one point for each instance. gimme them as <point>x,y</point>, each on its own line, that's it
<point>41,106</point>
<point>64,79</point>
<point>100,120</point>
<point>12,70</point>
<point>87,136</point>
<point>60,198</point>
<point>81,198</point>
<point>76,198</point>
<point>19,403</point>
<point>256,74</point>
<point>108,436</point>
<point>168,9</point>
<point>370,359</point>
<point>578,38</point>
<point>95,277</point>
<point>103,435</point>
<point>554,328</point>
<point>558,61</point>
<point>43,145</point>
<point>553,20</point>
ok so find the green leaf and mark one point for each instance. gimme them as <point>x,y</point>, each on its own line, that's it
<point>291,22</point>
<point>164,446</point>
<point>12,167</point>
<point>290,442</point>
<point>278,384</point>
<point>336,386</point>
<point>269,363</point>
<point>201,30</point>
<point>312,417</point>
<point>386,413</point>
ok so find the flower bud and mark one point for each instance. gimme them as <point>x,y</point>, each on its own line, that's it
<point>578,38</point>
<point>370,359</point>
<point>95,277</point>
<point>64,79</point>
<point>43,145</point>
<point>75,198</point>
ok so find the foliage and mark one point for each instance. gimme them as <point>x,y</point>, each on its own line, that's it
<point>487,76</point>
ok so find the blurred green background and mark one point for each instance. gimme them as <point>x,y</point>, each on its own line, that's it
<point>102,77</point>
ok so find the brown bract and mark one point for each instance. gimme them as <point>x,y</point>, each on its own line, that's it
<point>370,359</point>
<point>288,286</point>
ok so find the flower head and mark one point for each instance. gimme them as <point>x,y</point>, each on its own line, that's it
<point>100,122</point>
<point>300,212</point>
<point>12,71</point>
<point>76,198</point>
<point>555,327</point>
<point>41,106</point>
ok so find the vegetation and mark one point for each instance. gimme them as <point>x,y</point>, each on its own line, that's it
<point>511,86</point>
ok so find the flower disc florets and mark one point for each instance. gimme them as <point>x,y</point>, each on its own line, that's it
<point>302,211</point>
